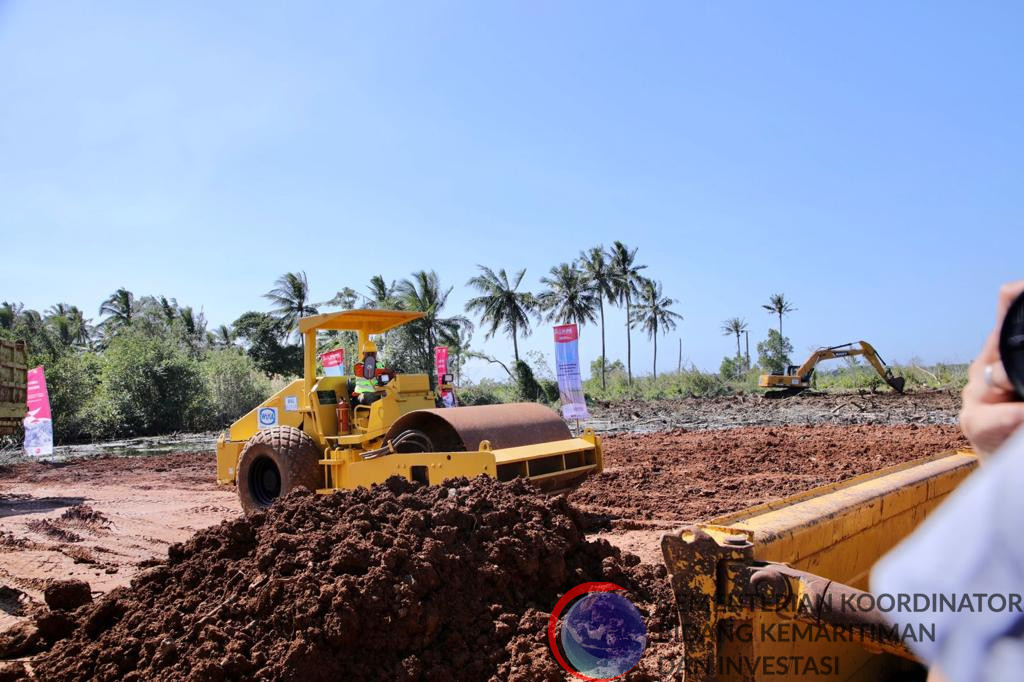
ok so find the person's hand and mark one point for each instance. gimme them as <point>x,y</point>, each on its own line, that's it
<point>989,414</point>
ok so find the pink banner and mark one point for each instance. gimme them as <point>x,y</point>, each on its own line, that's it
<point>333,362</point>
<point>448,398</point>
<point>441,361</point>
<point>38,398</point>
<point>38,423</point>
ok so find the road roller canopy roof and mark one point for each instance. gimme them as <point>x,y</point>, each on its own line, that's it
<point>366,321</point>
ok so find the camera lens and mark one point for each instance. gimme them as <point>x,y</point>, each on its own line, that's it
<point>1011,344</point>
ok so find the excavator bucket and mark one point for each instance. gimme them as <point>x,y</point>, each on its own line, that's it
<point>897,383</point>
<point>526,439</point>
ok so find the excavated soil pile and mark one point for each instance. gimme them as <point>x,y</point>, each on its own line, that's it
<point>696,475</point>
<point>403,582</point>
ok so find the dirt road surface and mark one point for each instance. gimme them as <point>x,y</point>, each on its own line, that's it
<point>100,519</point>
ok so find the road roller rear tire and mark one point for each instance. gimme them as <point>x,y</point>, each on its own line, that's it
<point>273,463</point>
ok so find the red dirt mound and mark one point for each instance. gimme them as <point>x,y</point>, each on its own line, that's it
<point>400,582</point>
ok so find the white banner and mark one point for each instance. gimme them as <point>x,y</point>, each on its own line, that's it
<point>567,364</point>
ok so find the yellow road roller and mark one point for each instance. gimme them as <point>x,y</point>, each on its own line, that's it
<point>341,432</point>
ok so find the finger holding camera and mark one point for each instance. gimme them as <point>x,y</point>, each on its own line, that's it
<point>991,412</point>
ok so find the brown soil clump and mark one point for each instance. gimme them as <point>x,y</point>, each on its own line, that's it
<point>67,594</point>
<point>401,582</point>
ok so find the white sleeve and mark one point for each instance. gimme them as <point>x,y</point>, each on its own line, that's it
<point>970,545</point>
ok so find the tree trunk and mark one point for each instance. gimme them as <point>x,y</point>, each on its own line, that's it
<point>738,354</point>
<point>629,346</point>
<point>515,344</point>
<point>655,352</point>
<point>780,324</point>
<point>604,360</point>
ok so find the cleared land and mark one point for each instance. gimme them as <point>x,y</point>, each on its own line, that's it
<point>105,519</point>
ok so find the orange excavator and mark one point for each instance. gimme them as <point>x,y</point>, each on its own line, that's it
<point>798,378</point>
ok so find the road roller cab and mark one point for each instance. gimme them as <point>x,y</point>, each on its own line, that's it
<point>312,434</point>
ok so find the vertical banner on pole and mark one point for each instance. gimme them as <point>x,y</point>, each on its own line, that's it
<point>39,423</point>
<point>441,362</point>
<point>333,362</point>
<point>441,366</point>
<point>567,363</point>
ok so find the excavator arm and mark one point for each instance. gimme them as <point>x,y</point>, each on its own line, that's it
<point>799,378</point>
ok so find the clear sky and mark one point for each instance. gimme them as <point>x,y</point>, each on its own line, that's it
<point>865,160</point>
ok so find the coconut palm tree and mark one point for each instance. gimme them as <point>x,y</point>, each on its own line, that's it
<point>119,309</point>
<point>193,325</point>
<point>599,269</point>
<point>501,304</point>
<point>69,326</point>
<point>626,282</point>
<point>290,297</point>
<point>346,299</point>
<point>9,314</point>
<point>382,294</point>
<point>423,293</point>
<point>778,305</point>
<point>222,337</point>
<point>735,326</point>
<point>569,297</point>
<point>654,314</point>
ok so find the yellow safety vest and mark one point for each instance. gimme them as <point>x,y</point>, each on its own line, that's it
<point>364,386</point>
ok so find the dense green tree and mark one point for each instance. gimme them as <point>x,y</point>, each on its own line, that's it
<point>501,305</point>
<point>627,286</point>
<point>265,342</point>
<point>148,385</point>
<point>773,354</point>
<point>234,385</point>
<point>654,314</point>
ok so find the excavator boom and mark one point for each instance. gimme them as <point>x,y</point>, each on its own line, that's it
<point>796,379</point>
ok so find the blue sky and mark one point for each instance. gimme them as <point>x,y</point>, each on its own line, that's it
<point>866,159</point>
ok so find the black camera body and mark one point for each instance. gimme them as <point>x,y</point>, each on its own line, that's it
<point>1011,345</point>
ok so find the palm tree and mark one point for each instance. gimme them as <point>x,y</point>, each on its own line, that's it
<point>345,299</point>
<point>778,305</point>
<point>222,337</point>
<point>501,304</point>
<point>654,314</point>
<point>192,323</point>
<point>69,325</point>
<point>424,293</point>
<point>168,308</point>
<point>119,309</point>
<point>735,326</point>
<point>598,268</point>
<point>627,283</point>
<point>290,295</point>
<point>569,297</point>
<point>9,314</point>
<point>382,294</point>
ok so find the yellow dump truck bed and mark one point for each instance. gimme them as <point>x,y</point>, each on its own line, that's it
<point>13,381</point>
